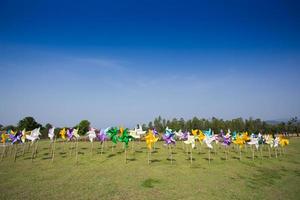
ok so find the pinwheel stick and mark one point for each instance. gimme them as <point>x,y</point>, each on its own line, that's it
<point>276,152</point>
<point>149,156</point>
<point>92,146</point>
<point>171,154</point>
<point>209,155</point>
<point>125,154</point>
<point>15,153</point>
<point>269,149</point>
<point>102,144</point>
<point>53,150</point>
<point>261,152</point>
<point>191,155</point>
<point>3,152</point>
<point>252,152</point>
<point>24,147</point>
<point>77,151</point>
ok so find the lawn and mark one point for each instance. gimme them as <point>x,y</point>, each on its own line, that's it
<point>107,176</point>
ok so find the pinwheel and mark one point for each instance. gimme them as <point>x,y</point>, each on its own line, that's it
<point>191,141</point>
<point>4,137</point>
<point>102,137</point>
<point>77,137</point>
<point>283,142</point>
<point>51,134</point>
<point>226,142</point>
<point>113,135</point>
<point>125,138</point>
<point>178,134</point>
<point>69,134</point>
<point>62,134</point>
<point>168,137</point>
<point>150,140</point>
<point>91,135</point>
<point>253,142</point>
<point>240,142</point>
<point>23,137</point>
<point>209,138</point>
<point>15,137</point>
<point>34,136</point>
<point>134,134</point>
<point>270,142</point>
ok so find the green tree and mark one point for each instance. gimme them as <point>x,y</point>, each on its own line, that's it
<point>84,127</point>
<point>28,123</point>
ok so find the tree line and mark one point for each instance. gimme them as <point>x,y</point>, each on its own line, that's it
<point>239,124</point>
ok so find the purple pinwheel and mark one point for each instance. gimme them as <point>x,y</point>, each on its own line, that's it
<point>168,137</point>
<point>102,136</point>
<point>70,134</point>
<point>184,135</point>
<point>226,139</point>
<point>15,138</point>
<point>155,132</point>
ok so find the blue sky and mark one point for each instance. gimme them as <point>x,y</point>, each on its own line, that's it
<point>126,62</point>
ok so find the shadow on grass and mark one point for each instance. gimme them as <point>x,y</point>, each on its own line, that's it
<point>139,151</point>
<point>155,160</point>
<point>169,159</point>
<point>62,153</point>
<point>46,158</point>
<point>83,148</point>
<point>111,155</point>
<point>131,159</point>
<point>149,183</point>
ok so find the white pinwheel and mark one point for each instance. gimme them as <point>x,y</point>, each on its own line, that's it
<point>190,140</point>
<point>91,134</point>
<point>51,133</point>
<point>254,141</point>
<point>34,135</point>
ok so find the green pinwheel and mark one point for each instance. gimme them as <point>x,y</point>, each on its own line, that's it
<point>113,135</point>
<point>125,137</point>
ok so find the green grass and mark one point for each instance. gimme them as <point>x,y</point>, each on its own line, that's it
<point>107,176</point>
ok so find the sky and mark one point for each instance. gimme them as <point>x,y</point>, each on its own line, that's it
<point>123,62</point>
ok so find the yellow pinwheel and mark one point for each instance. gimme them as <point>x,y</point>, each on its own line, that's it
<point>239,141</point>
<point>283,141</point>
<point>62,134</point>
<point>4,137</point>
<point>245,137</point>
<point>150,139</point>
<point>201,136</point>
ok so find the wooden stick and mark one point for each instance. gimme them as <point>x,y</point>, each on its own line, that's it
<point>209,155</point>
<point>53,150</point>
<point>3,152</point>
<point>32,154</point>
<point>261,152</point>
<point>92,148</point>
<point>276,152</point>
<point>171,155</point>
<point>252,152</point>
<point>125,155</point>
<point>191,155</point>
<point>24,147</point>
<point>102,144</point>
<point>16,151</point>
<point>269,151</point>
<point>77,151</point>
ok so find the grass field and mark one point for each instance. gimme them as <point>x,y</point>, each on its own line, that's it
<point>107,176</point>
